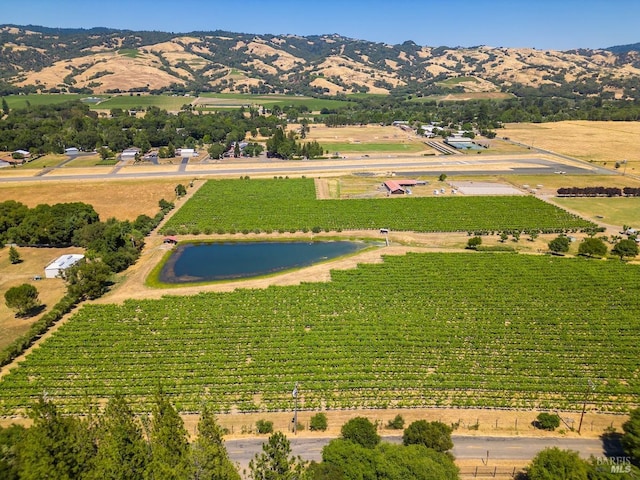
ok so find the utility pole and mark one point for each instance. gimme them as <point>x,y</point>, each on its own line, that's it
<point>590,388</point>
<point>295,409</point>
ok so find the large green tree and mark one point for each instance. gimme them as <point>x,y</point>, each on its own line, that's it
<point>168,442</point>
<point>56,446</point>
<point>209,456</point>
<point>560,244</point>
<point>625,248</point>
<point>10,438</point>
<point>275,462</point>
<point>556,464</point>
<point>87,279</point>
<point>360,430</point>
<point>631,438</point>
<point>23,299</point>
<point>346,460</point>
<point>434,435</point>
<point>122,452</point>
<point>592,247</point>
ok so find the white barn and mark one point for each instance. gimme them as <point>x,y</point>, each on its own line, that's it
<point>60,264</point>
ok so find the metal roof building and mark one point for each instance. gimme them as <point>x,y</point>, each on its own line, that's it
<point>60,264</point>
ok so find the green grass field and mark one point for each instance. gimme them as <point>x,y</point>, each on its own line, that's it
<point>20,101</point>
<point>457,81</point>
<point>437,329</point>
<point>50,160</point>
<point>373,147</point>
<point>128,102</point>
<point>613,211</point>
<point>313,104</point>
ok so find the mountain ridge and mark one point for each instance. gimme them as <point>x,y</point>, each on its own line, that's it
<point>105,60</point>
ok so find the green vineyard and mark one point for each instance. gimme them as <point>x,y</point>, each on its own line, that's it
<point>432,329</point>
<point>290,205</point>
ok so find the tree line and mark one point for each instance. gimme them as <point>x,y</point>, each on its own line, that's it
<point>484,114</point>
<point>114,443</point>
<point>52,128</point>
<point>115,243</point>
<point>598,192</point>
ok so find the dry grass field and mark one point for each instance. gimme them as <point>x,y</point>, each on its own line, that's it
<point>603,143</point>
<point>122,199</point>
<point>50,290</point>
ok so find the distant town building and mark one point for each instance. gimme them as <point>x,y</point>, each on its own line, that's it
<point>130,153</point>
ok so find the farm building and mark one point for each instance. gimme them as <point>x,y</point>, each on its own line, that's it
<point>60,264</point>
<point>394,187</point>
<point>397,187</point>
<point>186,152</point>
<point>22,153</point>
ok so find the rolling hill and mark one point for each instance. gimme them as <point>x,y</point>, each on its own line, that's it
<point>103,60</point>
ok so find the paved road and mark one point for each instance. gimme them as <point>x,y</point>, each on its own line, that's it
<point>497,448</point>
<point>408,166</point>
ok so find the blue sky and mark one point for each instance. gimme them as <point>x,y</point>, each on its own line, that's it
<point>541,24</point>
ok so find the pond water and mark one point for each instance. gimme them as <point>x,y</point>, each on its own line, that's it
<point>203,262</point>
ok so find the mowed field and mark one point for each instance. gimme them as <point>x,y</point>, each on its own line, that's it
<point>355,141</point>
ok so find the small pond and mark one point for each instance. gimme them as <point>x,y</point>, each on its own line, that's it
<point>205,262</point>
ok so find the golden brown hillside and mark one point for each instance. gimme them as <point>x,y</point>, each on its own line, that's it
<point>104,60</point>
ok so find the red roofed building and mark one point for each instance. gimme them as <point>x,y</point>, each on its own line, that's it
<point>394,187</point>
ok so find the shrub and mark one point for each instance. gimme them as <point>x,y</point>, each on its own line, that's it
<point>360,430</point>
<point>474,242</point>
<point>559,244</point>
<point>435,435</point>
<point>318,422</point>
<point>397,423</point>
<point>264,426</point>
<point>547,421</point>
